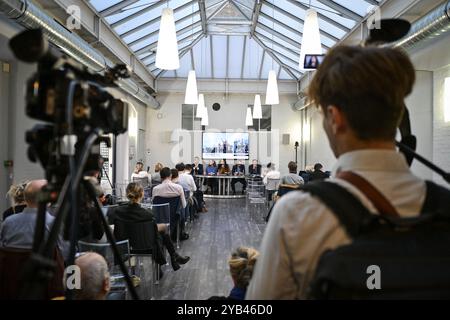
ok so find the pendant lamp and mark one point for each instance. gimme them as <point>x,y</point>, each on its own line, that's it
<point>167,49</point>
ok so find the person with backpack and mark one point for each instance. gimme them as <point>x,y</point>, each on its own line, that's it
<point>338,238</point>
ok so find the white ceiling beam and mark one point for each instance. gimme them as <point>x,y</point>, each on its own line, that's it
<point>201,5</point>
<point>347,13</point>
<point>117,8</point>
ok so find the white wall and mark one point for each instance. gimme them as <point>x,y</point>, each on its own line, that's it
<point>432,64</point>
<point>435,58</point>
<point>161,124</point>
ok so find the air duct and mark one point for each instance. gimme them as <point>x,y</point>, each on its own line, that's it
<point>31,16</point>
<point>432,25</point>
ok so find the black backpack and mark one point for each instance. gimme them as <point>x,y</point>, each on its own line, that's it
<point>412,254</point>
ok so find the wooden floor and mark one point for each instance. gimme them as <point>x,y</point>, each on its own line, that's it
<point>227,225</point>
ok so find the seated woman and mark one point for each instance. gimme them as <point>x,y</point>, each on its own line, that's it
<point>211,170</point>
<point>156,177</point>
<point>17,195</point>
<point>241,262</point>
<point>132,211</point>
<point>223,168</point>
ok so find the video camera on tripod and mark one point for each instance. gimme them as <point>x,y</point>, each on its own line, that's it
<point>78,111</point>
<point>71,99</point>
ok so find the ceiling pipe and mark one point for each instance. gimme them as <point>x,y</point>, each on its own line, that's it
<point>434,24</point>
<point>31,16</point>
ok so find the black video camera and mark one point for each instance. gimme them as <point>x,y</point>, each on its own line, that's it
<point>72,100</point>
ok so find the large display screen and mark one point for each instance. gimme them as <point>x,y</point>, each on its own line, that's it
<point>225,145</point>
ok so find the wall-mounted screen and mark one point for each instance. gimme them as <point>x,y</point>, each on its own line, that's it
<point>221,145</point>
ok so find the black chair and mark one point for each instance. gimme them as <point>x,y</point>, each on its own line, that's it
<point>175,214</point>
<point>143,238</point>
<point>282,190</point>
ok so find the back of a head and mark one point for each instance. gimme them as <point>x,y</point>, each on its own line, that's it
<point>318,167</point>
<point>134,192</point>
<point>188,167</point>
<point>174,173</point>
<point>165,173</point>
<point>31,192</point>
<point>17,193</point>
<point>180,167</point>
<point>94,277</point>
<point>242,263</point>
<point>369,86</point>
<point>139,167</point>
<point>292,167</point>
<point>158,167</point>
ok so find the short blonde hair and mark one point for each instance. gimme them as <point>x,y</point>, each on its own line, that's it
<point>17,192</point>
<point>242,262</point>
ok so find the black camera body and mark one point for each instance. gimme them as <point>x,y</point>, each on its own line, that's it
<point>72,101</point>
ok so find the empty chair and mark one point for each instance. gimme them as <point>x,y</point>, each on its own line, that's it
<point>271,188</point>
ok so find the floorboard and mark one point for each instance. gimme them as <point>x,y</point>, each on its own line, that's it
<point>227,225</point>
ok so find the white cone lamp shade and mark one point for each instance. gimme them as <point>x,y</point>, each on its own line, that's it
<point>311,43</point>
<point>205,119</point>
<point>191,95</point>
<point>249,119</point>
<point>257,109</point>
<point>272,89</point>
<point>167,49</point>
<point>201,109</point>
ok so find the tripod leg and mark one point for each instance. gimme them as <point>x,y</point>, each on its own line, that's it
<point>111,240</point>
<point>39,230</point>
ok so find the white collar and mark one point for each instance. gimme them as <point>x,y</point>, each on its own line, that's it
<point>371,160</point>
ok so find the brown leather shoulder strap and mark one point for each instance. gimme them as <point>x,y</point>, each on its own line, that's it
<point>380,202</point>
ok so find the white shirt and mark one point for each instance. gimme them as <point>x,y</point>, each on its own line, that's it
<point>141,175</point>
<point>168,189</point>
<point>187,180</point>
<point>273,174</point>
<point>301,228</point>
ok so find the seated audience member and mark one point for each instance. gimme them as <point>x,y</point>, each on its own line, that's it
<point>241,263</point>
<point>254,169</point>
<point>169,189</point>
<point>306,174</point>
<point>174,175</point>
<point>95,283</point>
<point>341,88</point>
<point>199,203</point>
<point>211,170</point>
<point>90,227</point>
<point>197,167</point>
<point>266,169</point>
<point>318,174</point>
<point>132,211</point>
<point>273,173</point>
<point>156,177</point>
<point>223,167</point>
<point>140,175</point>
<point>292,178</point>
<point>238,170</point>
<point>185,179</point>
<point>16,194</point>
<point>18,230</point>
